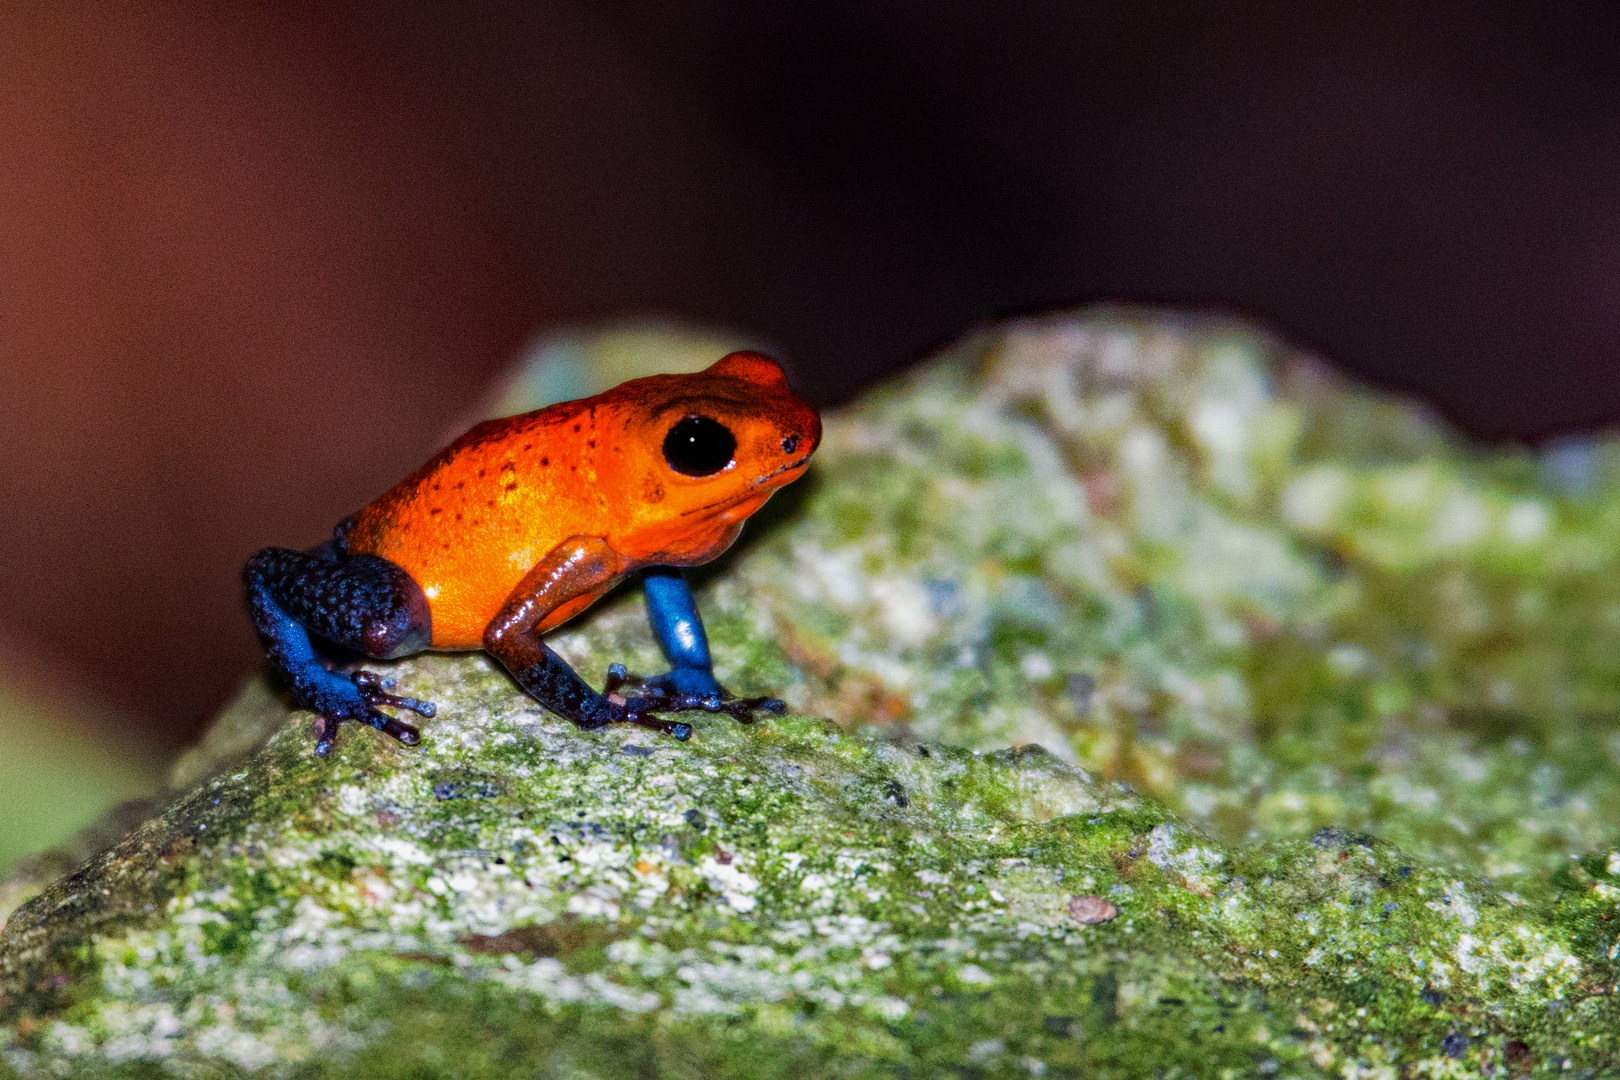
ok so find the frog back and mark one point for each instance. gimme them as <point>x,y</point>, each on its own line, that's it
<point>469,524</point>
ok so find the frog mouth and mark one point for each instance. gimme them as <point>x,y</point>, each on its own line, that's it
<point>789,467</point>
<point>751,492</point>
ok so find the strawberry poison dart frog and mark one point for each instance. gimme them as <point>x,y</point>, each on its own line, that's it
<point>524,522</point>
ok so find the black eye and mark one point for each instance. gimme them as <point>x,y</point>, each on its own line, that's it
<point>790,444</point>
<point>698,446</point>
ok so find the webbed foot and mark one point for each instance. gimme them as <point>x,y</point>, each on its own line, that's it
<point>683,689</point>
<point>358,696</point>
<point>635,712</point>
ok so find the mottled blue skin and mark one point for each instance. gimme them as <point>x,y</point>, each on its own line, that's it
<point>370,605</point>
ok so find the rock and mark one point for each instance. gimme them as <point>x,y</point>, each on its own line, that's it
<point>1172,553</point>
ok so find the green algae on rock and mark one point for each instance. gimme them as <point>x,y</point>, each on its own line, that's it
<point>1182,554</point>
<point>1170,551</point>
<point>517,897</point>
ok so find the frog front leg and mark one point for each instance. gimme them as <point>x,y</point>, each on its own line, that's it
<point>569,579</point>
<point>362,602</point>
<point>690,682</point>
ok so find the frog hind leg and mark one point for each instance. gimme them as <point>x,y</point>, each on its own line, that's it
<point>362,602</point>
<point>690,682</point>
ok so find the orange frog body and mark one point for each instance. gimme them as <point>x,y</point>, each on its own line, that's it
<point>524,522</point>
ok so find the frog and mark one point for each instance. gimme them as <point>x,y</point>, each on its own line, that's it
<point>523,523</point>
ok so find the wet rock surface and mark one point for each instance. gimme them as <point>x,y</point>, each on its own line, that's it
<point>1360,675</point>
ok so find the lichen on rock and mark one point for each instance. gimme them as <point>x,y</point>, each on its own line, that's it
<point>1173,553</point>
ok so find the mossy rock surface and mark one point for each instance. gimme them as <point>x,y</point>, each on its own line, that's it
<point>1362,675</point>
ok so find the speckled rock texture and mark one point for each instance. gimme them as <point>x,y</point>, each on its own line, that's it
<point>1160,706</point>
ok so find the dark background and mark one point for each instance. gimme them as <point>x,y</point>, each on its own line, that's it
<point>255,262</point>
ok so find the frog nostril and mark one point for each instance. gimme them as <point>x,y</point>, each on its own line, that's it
<point>790,444</point>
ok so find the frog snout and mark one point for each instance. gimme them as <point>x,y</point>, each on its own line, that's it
<point>799,440</point>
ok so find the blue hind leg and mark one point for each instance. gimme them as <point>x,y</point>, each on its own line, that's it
<point>690,682</point>
<point>363,602</point>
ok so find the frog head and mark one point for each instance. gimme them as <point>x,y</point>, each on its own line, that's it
<point>697,454</point>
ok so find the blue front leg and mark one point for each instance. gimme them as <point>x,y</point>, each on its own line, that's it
<point>690,682</point>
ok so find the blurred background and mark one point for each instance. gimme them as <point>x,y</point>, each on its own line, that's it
<point>258,261</point>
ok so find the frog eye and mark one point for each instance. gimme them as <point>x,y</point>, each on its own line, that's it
<point>698,446</point>
<point>790,444</point>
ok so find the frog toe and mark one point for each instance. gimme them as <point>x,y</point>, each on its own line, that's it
<point>325,732</point>
<point>374,691</point>
<point>675,728</point>
<point>398,729</point>
<point>642,711</point>
<point>742,710</point>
